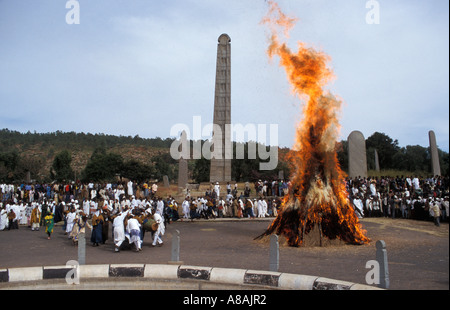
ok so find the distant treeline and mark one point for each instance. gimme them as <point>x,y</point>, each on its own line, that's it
<point>105,164</point>
<point>9,138</point>
<point>414,159</point>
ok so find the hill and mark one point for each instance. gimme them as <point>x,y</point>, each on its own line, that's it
<point>35,152</point>
<point>147,158</point>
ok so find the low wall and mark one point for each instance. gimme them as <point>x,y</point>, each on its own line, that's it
<point>165,277</point>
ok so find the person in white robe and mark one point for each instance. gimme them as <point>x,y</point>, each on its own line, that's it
<point>119,229</point>
<point>185,208</point>
<point>93,207</point>
<point>130,191</point>
<point>369,205</point>
<point>93,194</point>
<point>355,190</point>
<point>241,205</point>
<point>217,189</point>
<point>154,188</point>
<point>70,218</point>
<point>254,206</point>
<point>160,207</point>
<point>134,202</point>
<point>125,203</point>
<point>265,207</point>
<point>221,207</point>
<point>376,203</point>
<point>274,208</point>
<point>134,229</point>
<point>17,210</point>
<point>160,231</point>
<point>260,208</point>
<point>357,202</point>
<point>3,218</point>
<point>373,188</point>
<point>86,207</point>
<point>23,214</point>
<point>416,183</point>
<point>408,181</point>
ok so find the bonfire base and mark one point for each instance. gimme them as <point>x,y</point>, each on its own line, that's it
<point>312,239</point>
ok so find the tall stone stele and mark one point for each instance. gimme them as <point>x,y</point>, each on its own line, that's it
<point>183,171</point>
<point>221,139</point>
<point>435,165</point>
<point>377,161</point>
<point>357,160</point>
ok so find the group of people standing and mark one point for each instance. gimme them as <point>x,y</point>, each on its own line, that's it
<point>128,224</point>
<point>238,207</point>
<point>34,215</point>
<point>130,219</point>
<point>401,197</point>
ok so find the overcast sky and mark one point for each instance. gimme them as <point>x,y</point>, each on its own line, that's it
<point>137,67</point>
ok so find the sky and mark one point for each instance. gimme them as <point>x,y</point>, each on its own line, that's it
<point>138,67</point>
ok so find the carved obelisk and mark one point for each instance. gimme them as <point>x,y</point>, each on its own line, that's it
<point>221,138</point>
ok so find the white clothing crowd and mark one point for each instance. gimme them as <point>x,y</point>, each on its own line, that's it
<point>405,197</point>
<point>127,213</point>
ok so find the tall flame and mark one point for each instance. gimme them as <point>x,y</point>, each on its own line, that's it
<point>317,196</point>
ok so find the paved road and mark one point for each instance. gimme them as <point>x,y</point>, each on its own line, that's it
<point>418,252</point>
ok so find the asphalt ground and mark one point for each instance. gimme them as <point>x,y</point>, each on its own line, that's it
<point>418,251</point>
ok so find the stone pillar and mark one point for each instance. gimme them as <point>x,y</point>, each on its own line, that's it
<point>82,249</point>
<point>274,256</point>
<point>435,166</point>
<point>357,160</point>
<point>377,162</point>
<point>28,177</point>
<point>182,163</point>
<point>221,157</point>
<point>166,181</point>
<point>175,257</point>
<point>383,262</point>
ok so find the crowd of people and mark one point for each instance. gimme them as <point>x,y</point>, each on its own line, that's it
<point>123,212</point>
<point>39,206</point>
<point>133,209</point>
<point>129,222</point>
<point>401,197</point>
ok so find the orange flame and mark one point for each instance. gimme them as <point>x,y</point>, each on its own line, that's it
<point>317,195</point>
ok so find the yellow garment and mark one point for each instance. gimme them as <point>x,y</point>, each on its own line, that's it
<point>35,216</point>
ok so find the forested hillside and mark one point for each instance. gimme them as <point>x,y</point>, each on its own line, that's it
<point>62,156</point>
<point>36,152</point>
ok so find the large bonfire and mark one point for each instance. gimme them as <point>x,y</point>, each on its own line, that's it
<point>317,197</point>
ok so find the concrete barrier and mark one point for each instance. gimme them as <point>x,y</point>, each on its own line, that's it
<point>290,281</point>
<point>25,274</point>
<point>171,277</point>
<point>227,276</point>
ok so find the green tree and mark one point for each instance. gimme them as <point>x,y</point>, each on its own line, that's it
<point>61,169</point>
<point>415,158</point>
<point>136,171</point>
<point>201,170</point>
<point>444,162</point>
<point>386,148</point>
<point>8,164</point>
<point>102,166</point>
<point>342,154</point>
<point>164,164</point>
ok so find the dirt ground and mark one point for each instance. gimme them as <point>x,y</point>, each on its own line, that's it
<point>418,252</point>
